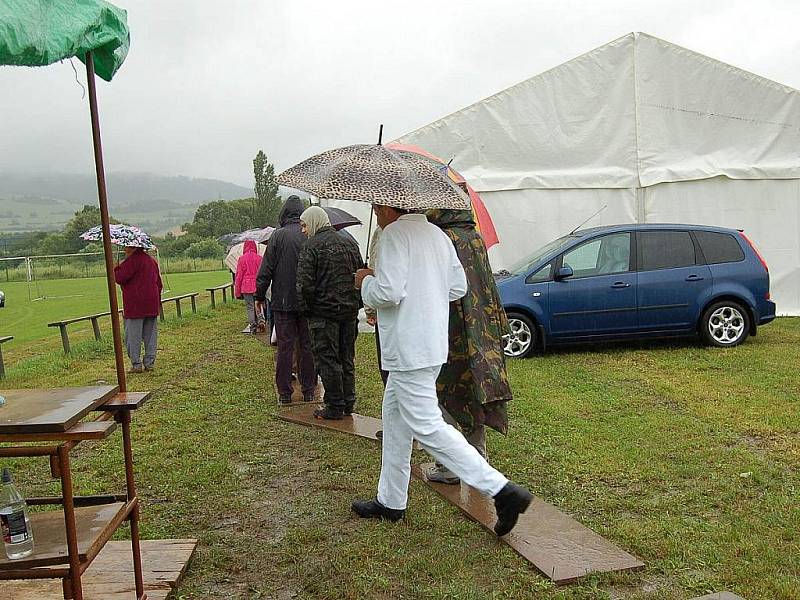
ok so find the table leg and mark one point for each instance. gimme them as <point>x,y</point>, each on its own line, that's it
<point>131,491</point>
<point>194,305</point>
<point>178,307</point>
<point>69,522</point>
<point>213,304</point>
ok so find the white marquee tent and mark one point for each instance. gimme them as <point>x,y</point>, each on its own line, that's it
<point>654,132</point>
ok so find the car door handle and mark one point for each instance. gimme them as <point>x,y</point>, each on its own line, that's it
<point>620,284</point>
<point>694,278</point>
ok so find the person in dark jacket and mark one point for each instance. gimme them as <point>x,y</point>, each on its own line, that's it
<point>279,268</point>
<point>140,281</point>
<point>327,297</point>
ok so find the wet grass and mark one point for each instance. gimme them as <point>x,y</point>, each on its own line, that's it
<point>685,456</point>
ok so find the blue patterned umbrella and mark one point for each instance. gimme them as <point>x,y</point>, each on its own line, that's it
<point>121,235</point>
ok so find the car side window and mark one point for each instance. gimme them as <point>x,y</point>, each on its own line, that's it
<point>601,256</point>
<point>542,274</point>
<point>665,250</point>
<point>719,247</point>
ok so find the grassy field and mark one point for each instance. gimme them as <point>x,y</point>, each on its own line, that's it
<point>685,456</point>
<point>26,319</point>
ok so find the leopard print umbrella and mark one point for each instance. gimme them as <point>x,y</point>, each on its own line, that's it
<point>378,175</point>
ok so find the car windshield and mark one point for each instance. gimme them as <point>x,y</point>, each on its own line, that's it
<point>525,265</point>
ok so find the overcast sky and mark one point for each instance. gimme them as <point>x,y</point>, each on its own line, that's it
<point>208,83</point>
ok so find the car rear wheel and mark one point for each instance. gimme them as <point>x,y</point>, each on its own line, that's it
<point>520,341</point>
<point>725,324</point>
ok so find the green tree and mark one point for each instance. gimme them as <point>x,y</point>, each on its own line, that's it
<point>208,248</point>
<point>267,203</point>
<point>217,218</point>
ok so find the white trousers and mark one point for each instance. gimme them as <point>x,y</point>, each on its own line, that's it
<point>411,411</point>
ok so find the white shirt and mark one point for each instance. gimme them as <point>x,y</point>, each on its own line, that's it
<point>418,275</point>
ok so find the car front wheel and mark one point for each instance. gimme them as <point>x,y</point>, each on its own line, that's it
<point>520,341</point>
<point>725,324</point>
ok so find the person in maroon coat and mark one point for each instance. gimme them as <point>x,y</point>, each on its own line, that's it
<point>141,285</point>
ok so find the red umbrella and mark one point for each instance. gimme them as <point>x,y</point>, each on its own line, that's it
<point>482,217</point>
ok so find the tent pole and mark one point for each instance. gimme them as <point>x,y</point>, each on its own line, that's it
<point>104,219</point>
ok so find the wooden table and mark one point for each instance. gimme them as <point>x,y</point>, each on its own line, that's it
<point>66,540</point>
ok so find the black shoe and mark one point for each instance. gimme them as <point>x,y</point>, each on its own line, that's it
<point>348,411</point>
<point>510,503</point>
<point>285,399</point>
<point>327,413</point>
<point>372,509</point>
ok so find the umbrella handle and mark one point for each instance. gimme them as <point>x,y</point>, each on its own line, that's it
<point>380,135</point>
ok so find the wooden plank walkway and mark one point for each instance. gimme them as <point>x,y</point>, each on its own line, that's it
<point>555,543</point>
<point>302,414</point>
<point>110,577</point>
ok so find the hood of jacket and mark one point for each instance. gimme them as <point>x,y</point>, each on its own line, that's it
<point>249,246</point>
<point>291,211</point>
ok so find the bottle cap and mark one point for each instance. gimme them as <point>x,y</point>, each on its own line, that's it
<point>7,476</point>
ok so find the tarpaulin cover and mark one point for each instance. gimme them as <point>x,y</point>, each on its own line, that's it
<point>653,132</point>
<point>36,33</point>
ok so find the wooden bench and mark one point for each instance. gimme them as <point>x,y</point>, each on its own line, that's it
<point>224,289</point>
<point>3,339</point>
<point>62,326</point>
<point>177,301</point>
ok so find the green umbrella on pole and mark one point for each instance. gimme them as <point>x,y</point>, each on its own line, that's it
<point>36,33</point>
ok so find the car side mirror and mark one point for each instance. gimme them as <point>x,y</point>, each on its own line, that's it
<point>563,272</point>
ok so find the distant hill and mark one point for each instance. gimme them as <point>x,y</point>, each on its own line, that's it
<point>157,203</point>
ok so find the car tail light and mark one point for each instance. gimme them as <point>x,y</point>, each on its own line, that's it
<point>758,254</point>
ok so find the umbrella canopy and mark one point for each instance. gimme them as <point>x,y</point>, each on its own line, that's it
<point>340,218</point>
<point>378,175</point>
<point>482,217</point>
<point>236,251</point>
<point>121,235</point>
<point>257,235</point>
<point>35,33</point>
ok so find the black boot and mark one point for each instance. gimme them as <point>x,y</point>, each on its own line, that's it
<point>372,509</point>
<point>510,503</point>
<point>326,412</point>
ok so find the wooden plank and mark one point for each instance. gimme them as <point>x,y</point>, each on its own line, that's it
<point>360,425</point>
<point>76,319</point>
<point>125,401</point>
<point>6,338</point>
<point>49,535</point>
<point>110,577</point>
<point>719,596</point>
<point>49,410</point>
<point>87,430</point>
<point>555,543</point>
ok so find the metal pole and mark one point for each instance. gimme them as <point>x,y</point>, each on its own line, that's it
<point>130,484</point>
<point>104,219</point>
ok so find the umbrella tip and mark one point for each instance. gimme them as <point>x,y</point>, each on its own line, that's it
<point>380,135</point>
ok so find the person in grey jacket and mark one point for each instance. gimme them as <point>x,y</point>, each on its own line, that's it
<point>279,268</point>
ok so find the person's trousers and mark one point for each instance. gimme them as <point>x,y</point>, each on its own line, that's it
<point>290,329</point>
<point>250,305</point>
<point>138,331</point>
<point>334,346</point>
<point>411,412</point>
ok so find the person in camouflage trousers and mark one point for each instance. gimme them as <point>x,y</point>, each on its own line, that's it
<point>330,302</point>
<point>472,386</point>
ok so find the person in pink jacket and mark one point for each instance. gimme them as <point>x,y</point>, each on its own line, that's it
<point>245,283</point>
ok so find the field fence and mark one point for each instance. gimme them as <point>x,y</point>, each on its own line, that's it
<point>24,268</point>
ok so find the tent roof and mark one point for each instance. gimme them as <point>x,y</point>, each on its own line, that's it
<point>36,33</point>
<point>635,112</point>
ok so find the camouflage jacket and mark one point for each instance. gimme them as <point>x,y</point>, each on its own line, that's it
<point>325,278</point>
<point>473,384</point>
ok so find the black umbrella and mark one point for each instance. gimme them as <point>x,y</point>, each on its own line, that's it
<point>340,218</point>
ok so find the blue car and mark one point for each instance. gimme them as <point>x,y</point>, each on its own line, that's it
<point>625,282</point>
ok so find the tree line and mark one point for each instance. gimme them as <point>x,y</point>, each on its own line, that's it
<point>198,239</point>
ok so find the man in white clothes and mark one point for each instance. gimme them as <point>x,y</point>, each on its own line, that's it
<point>418,275</point>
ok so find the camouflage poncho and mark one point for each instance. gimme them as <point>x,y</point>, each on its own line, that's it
<point>473,384</point>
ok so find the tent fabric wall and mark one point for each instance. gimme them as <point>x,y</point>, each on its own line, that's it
<point>656,132</point>
<point>767,210</point>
